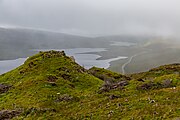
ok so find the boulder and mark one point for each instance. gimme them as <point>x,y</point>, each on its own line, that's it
<point>4,88</point>
<point>8,114</point>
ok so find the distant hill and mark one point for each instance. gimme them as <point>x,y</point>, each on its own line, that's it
<point>50,85</point>
<point>35,38</point>
<point>149,51</point>
<point>17,42</point>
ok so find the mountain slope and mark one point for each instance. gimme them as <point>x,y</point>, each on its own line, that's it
<point>44,82</point>
<point>51,85</point>
<point>19,42</point>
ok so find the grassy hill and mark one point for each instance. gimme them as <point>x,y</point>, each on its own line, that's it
<point>51,85</point>
<point>150,54</point>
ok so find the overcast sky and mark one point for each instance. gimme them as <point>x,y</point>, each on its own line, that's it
<point>94,17</point>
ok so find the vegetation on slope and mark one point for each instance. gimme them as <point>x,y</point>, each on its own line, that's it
<point>51,85</point>
<point>45,84</point>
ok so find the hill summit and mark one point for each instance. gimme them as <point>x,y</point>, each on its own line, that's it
<point>51,85</point>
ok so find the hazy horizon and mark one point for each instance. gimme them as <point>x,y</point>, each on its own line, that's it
<point>94,17</point>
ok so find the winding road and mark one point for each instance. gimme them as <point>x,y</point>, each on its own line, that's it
<point>129,61</point>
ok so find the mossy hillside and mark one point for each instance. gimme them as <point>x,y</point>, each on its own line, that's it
<point>105,74</point>
<point>51,86</point>
<point>158,100</point>
<point>159,71</point>
<point>149,95</point>
<point>44,79</point>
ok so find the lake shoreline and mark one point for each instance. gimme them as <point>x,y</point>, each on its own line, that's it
<point>83,56</point>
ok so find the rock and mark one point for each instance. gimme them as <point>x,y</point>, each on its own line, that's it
<point>110,113</point>
<point>126,100</point>
<point>66,76</point>
<point>173,88</point>
<point>152,101</point>
<point>52,53</point>
<point>141,80</point>
<point>119,105</point>
<point>146,86</point>
<point>113,97</point>
<point>31,64</point>
<point>8,114</point>
<point>122,83</point>
<point>72,58</point>
<point>4,88</point>
<point>167,83</point>
<point>110,86</point>
<point>51,78</point>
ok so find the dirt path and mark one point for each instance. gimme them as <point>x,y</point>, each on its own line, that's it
<point>129,61</point>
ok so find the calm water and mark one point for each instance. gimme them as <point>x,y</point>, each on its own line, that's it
<point>83,56</point>
<point>7,65</point>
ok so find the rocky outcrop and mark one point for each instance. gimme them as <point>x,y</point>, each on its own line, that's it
<point>4,88</point>
<point>8,114</point>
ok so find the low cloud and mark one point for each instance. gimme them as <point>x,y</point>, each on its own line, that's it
<point>94,17</point>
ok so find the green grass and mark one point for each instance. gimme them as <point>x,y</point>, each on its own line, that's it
<point>51,86</point>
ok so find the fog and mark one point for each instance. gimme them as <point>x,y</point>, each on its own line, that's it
<point>94,17</point>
